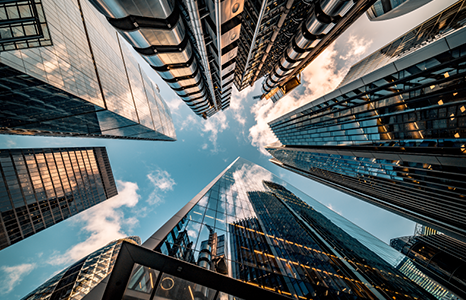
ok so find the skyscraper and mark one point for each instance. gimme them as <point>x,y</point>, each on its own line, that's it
<point>77,280</point>
<point>439,256</point>
<point>393,133</point>
<point>41,187</point>
<point>64,71</point>
<point>250,235</point>
<point>201,48</point>
<point>388,9</point>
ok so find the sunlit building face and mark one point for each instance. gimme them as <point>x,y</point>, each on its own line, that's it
<point>41,187</point>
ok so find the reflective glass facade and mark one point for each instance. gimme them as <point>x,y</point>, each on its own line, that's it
<point>440,25</point>
<point>389,9</point>
<point>251,226</point>
<point>41,187</point>
<point>439,256</point>
<point>23,25</point>
<point>88,83</point>
<point>407,267</point>
<point>395,138</point>
<point>75,282</point>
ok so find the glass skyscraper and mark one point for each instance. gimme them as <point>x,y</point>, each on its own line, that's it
<point>439,256</point>
<point>75,282</point>
<point>395,135</point>
<point>251,226</point>
<point>250,235</point>
<point>76,78</point>
<point>41,187</point>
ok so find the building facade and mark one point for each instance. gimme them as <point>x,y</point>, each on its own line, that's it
<point>41,187</point>
<point>202,48</point>
<point>76,77</point>
<point>388,9</point>
<point>439,256</point>
<point>394,137</point>
<point>75,282</point>
<point>251,226</point>
<point>250,235</point>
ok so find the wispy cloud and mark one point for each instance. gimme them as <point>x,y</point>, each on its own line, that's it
<point>103,222</point>
<point>333,208</point>
<point>174,104</point>
<point>357,48</point>
<point>213,126</point>
<point>13,276</point>
<point>162,182</point>
<point>319,78</point>
<point>189,122</point>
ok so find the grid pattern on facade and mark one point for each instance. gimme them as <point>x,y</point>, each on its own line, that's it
<point>87,83</point>
<point>423,191</point>
<point>424,101</point>
<point>409,269</point>
<point>436,27</point>
<point>41,187</point>
<point>23,25</point>
<point>75,282</point>
<point>269,247</point>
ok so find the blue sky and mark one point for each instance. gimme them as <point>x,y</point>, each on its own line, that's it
<point>156,179</point>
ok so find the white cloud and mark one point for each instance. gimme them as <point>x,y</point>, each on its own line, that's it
<point>13,276</point>
<point>212,126</point>
<point>162,182</point>
<point>174,104</point>
<point>319,78</point>
<point>103,222</point>
<point>189,122</point>
<point>332,208</point>
<point>357,48</point>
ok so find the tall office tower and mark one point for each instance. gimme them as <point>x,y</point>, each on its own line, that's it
<point>389,9</point>
<point>201,48</point>
<point>394,133</point>
<point>41,187</point>
<point>409,269</point>
<point>64,71</point>
<point>74,282</point>
<point>439,256</point>
<point>251,226</point>
<point>250,235</point>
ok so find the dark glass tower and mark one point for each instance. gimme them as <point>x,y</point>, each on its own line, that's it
<point>85,82</point>
<point>253,227</point>
<point>41,187</point>
<point>75,282</point>
<point>439,256</point>
<point>395,135</point>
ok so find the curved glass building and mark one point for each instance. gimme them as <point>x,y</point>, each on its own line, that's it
<point>74,282</point>
<point>390,9</point>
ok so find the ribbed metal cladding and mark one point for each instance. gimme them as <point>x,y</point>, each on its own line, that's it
<point>157,30</point>
<point>191,44</point>
<point>395,138</point>
<point>320,22</point>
